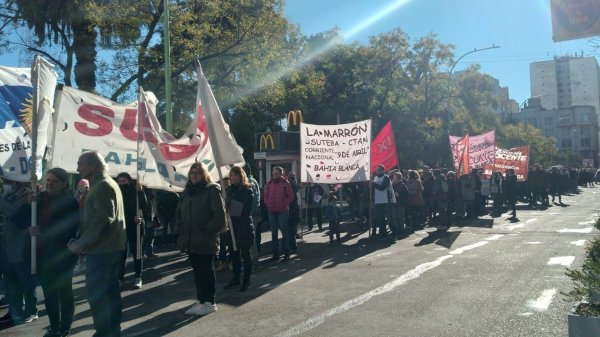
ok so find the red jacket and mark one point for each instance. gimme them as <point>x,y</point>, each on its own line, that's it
<point>278,195</point>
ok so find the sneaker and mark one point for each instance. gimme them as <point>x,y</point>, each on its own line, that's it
<point>192,310</point>
<point>205,309</point>
<point>30,318</point>
<point>137,283</point>
<point>232,284</point>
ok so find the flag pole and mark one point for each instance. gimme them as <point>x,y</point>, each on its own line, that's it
<point>34,190</point>
<point>167,54</point>
<point>370,190</point>
<point>217,156</point>
<point>140,129</point>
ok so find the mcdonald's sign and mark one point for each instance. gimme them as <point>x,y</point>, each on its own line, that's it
<point>264,141</point>
<point>294,116</point>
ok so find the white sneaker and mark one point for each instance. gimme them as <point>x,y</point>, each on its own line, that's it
<point>192,310</point>
<point>138,283</point>
<point>205,309</point>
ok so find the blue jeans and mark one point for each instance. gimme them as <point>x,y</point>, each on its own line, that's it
<point>279,221</point>
<point>103,292</point>
<point>148,244</point>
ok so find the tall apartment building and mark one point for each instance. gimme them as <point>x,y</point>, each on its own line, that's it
<point>565,82</point>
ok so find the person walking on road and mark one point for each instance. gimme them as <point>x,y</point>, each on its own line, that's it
<point>134,199</point>
<point>200,219</point>
<point>103,239</point>
<point>240,199</point>
<point>57,223</point>
<point>511,188</point>
<point>278,197</point>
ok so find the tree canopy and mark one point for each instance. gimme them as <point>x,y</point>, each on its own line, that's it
<point>261,66</point>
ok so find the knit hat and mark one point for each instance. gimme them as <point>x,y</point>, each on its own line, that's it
<point>59,173</point>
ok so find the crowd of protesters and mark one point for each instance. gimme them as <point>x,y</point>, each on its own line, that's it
<point>221,230</point>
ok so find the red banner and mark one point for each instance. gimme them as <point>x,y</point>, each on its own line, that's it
<point>516,158</point>
<point>383,149</point>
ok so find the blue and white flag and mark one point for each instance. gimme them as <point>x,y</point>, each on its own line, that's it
<point>16,108</point>
<point>16,99</point>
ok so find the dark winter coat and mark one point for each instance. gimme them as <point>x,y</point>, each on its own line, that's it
<point>200,218</point>
<point>242,225</point>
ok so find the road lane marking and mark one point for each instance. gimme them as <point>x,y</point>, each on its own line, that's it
<point>531,220</point>
<point>589,222</point>
<point>359,300</point>
<point>575,230</point>
<point>543,302</point>
<point>373,257</point>
<point>412,274</point>
<point>578,243</point>
<point>533,242</point>
<point>515,226</point>
<point>561,260</point>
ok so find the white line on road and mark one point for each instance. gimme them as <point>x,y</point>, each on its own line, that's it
<point>578,243</point>
<point>575,230</point>
<point>561,260</point>
<point>589,222</point>
<point>361,299</point>
<point>533,242</point>
<point>543,302</point>
<point>531,220</point>
<point>373,257</point>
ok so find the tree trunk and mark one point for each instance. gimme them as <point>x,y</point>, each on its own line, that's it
<point>84,45</point>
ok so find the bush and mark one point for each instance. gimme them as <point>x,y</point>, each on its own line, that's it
<point>587,280</point>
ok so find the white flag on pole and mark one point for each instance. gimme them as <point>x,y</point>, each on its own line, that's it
<point>224,147</point>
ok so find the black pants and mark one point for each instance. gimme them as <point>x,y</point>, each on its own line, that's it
<point>309,217</point>
<point>56,281</point>
<point>242,253</point>
<point>204,277</point>
<point>132,244</point>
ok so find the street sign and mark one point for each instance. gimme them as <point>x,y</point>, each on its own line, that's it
<point>260,163</point>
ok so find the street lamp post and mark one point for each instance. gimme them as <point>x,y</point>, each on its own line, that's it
<point>452,69</point>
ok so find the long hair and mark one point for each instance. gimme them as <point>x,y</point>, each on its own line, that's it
<point>203,172</point>
<point>238,171</point>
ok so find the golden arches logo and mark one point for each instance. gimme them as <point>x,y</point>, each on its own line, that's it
<point>264,142</point>
<point>295,116</point>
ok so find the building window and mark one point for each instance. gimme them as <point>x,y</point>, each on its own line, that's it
<point>585,118</point>
<point>532,121</point>
<point>548,120</point>
<point>586,142</point>
<point>565,118</point>
<point>566,143</point>
<point>548,132</point>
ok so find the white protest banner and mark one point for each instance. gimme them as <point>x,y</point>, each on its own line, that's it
<point>482,149</point>
<point>85,121</point>
<point>332,154</point>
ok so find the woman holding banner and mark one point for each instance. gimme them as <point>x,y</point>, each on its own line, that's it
<point>239,204</point>
<point>57,223</point>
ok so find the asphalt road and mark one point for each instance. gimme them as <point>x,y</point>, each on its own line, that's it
<point>485,277</point>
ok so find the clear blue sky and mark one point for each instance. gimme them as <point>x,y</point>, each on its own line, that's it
<point>522,28</point>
